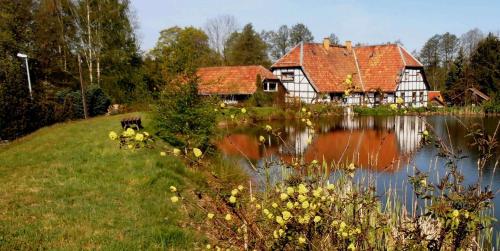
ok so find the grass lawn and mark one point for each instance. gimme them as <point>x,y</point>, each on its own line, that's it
<point>69,187</point>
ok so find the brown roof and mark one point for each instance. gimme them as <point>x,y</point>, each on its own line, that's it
<point>435,95</point>
<point>372,67</point>
<point>231,79</point>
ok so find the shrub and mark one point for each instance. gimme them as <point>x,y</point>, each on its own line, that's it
<point>182,118</point>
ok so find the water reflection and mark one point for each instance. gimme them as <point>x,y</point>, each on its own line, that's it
<point>377,143</point>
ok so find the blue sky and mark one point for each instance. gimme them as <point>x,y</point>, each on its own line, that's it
<point>373,22</point>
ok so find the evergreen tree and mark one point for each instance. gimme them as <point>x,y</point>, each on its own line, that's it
<point>456,82</point>
<point>246,48</point>
<point>485,64</point>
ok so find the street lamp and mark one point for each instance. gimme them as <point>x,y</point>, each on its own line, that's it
<point>21,55</point>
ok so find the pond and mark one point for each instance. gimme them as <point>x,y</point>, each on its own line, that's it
<point>388,148</point>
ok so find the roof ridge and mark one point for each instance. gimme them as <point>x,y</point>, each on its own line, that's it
<point>359,70</point>
<point>414,58</point>
<point>286,54</point>
<point>401,55</point>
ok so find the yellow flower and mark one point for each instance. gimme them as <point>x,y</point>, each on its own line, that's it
<point>302,198</point>
<point>216,110</point>
<point>240,187</point>
<point>346,92</point>
<point>304,109</point>
<point>261,138</point>
<point>351,167</point>
<point>466,214</point>
<point>305,204</point>
<point>232,199</point>
<point>174,199</point>
<point>129,132</point>
<point>394,106</point>
<point>265,211</point>
<point>423,182</point>
<point>130,146</point>
<point>399,101</point>
<point>303,189</point>
<point>269,128</point>
<point>280,220</point>
<point>228,217</point>
<point>197,152</point>
<point>176,151</point>
<point>330,186</point>
<point>222,105</point>
<point>274,205</point>
<point>208,246</point>
<point>252,199</point>
<point>113,135</point>
<point>286,215</point>
<point>309,123</point>
<point>302,240</point>
<point>289,205</point>
<point>173,189</point>
<point>139,137</point>
<point>281,232</point>
<point>243,110</point>
<point>210,216</point>
<point>290,190</point>
<point>342,225</point>
<point>234,192</point>
<point>275,234</point>
<point>317,219</point>
<point>146,134</point>
<point>257,206</point>
<point>351,246</point>
<point>270,216</point>
<point>455,213</point>
<point>425,133</point>
<point>232,116</point>
<point>163,154</point>
<point>283,196</point>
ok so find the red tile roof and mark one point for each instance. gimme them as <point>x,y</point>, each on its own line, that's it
<point>231,79</point>
<point>372,67</point>
<point>435,95</point>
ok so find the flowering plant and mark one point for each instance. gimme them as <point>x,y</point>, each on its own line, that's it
<point>131,139</point>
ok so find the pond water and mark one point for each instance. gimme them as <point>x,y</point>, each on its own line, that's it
<point>388,148</point>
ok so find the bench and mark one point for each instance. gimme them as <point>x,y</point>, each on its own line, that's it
<point>133,122</point>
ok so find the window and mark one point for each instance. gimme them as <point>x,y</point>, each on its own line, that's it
<point>270,87</point>
<point>287,76</point>
<point>414,97</point>
<point>421,96</point>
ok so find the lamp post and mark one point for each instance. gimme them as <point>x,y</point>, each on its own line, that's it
<point>21,55</point>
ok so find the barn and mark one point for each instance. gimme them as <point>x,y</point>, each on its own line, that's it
<point>379,74</point>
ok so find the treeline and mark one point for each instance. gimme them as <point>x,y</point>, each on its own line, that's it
<point>73,47</point>
<point>454,64</point>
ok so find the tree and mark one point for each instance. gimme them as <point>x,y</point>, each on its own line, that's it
<point>430,57</point>
<point>246,48</point>
<point>448,46</point>
<point>469,41</point>
<point>485,64</point>
<point>186,50</point>
<point>334,39</point>
<point>456,80</point>
<point>278,41</point>
<point>300,33</point>
<point>218,30</point>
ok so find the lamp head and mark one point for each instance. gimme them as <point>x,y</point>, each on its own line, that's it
<point>21,55</point>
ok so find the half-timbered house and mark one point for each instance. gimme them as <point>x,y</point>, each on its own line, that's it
<point>235,84</point>
<point>317,72</point>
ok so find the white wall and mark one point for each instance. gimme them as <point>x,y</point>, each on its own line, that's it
<point>412,88</point>
<point>300,87</point>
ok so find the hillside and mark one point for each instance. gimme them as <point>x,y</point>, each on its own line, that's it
<point>69,187</point>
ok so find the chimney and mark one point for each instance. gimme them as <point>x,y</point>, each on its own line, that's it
<point>348,45</point>
<point>326,43</point>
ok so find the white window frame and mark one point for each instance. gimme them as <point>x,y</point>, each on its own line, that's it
<point>267,85</point>
<point>290,76</point>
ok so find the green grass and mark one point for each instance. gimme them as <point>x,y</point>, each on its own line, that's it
<point>69,187</point>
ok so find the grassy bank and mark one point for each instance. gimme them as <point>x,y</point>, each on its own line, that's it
<point>69,187</point>
<point>386,110</point>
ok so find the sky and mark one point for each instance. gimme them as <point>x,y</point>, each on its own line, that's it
<point>363,21</point>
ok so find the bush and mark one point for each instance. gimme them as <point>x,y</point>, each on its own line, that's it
<point>182,118</point>
<point>71,107</point>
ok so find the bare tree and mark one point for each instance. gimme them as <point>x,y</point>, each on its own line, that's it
<point>470,39</point>
<point>218,30</point>
<point>334,39</point>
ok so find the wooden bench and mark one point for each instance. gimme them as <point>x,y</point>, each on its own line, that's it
<point>133,122</point>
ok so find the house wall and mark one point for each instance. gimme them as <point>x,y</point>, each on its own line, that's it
<point>299,87</point>
<point>412,88</point>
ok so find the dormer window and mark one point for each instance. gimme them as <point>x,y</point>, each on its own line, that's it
<point>287,76</point>
<point>270,86</point>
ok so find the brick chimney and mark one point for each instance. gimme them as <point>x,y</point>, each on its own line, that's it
<point>326,43</point>
<point>348,45</point>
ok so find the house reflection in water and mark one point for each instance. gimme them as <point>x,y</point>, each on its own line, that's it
<point>377,143</point>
